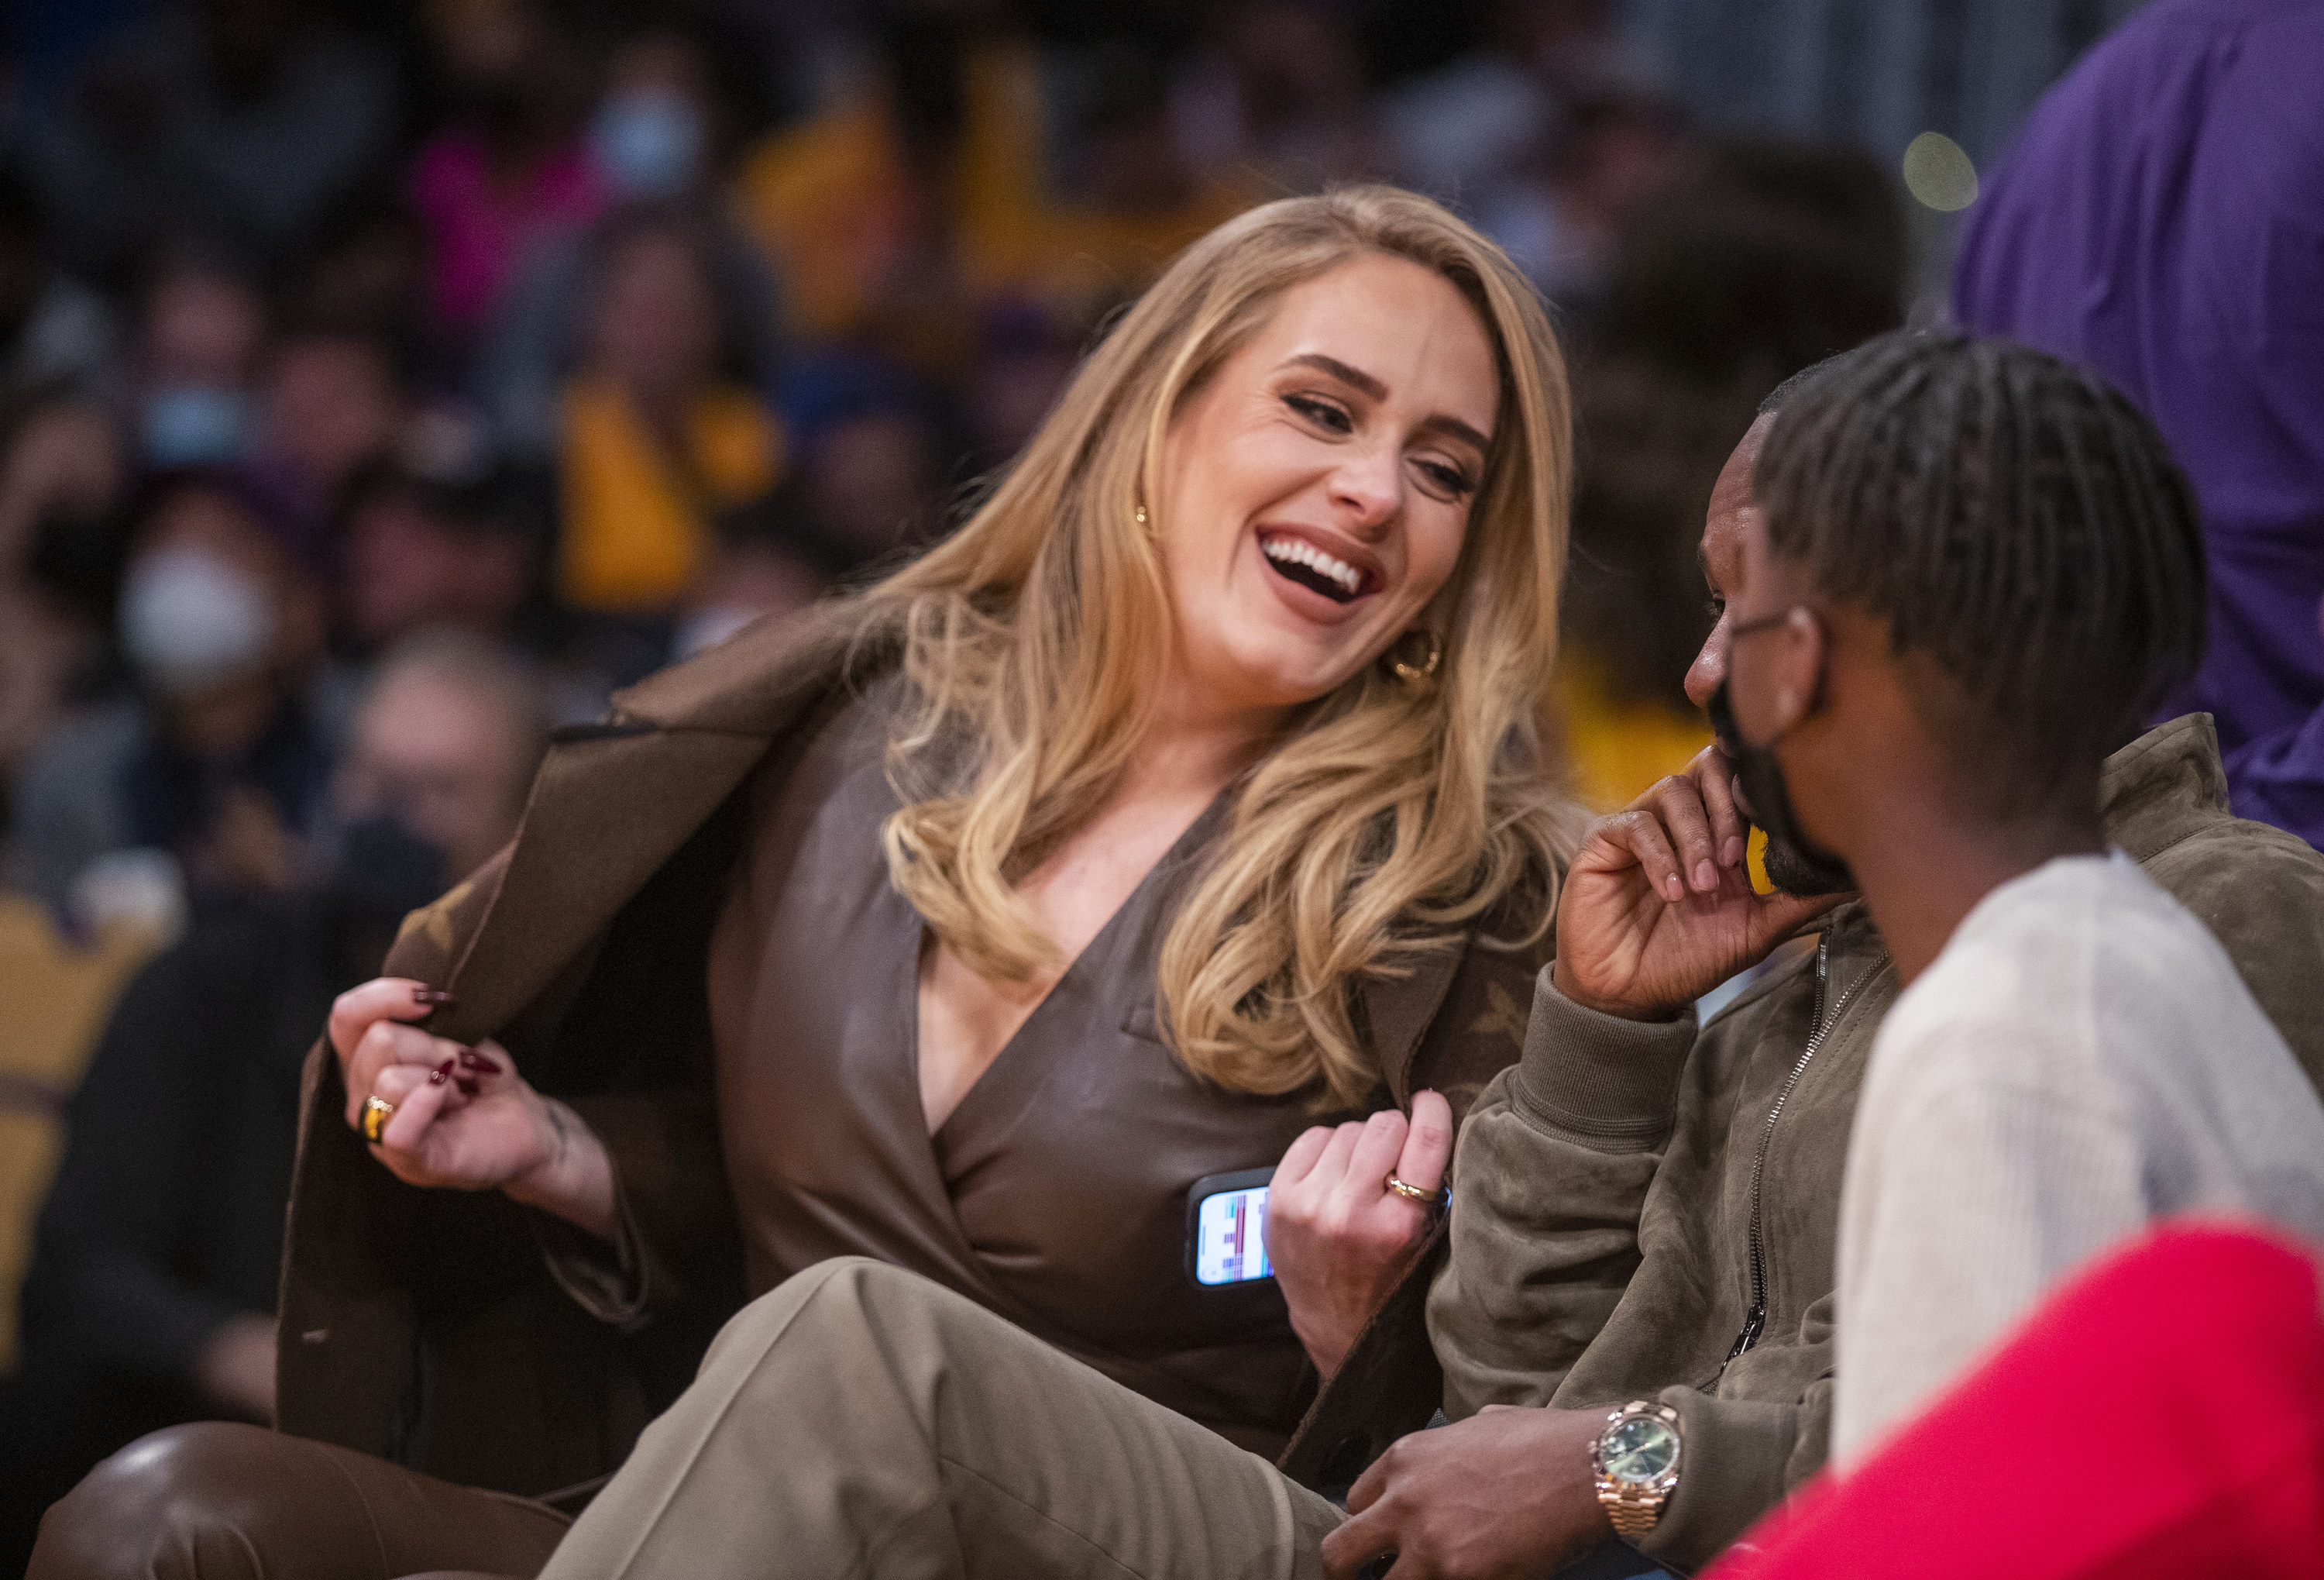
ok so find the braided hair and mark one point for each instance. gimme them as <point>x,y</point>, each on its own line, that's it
<point>2013,518</point>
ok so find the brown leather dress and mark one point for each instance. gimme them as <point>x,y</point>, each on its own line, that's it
<point>1055,1194</point>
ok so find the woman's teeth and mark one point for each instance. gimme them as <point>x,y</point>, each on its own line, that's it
<point>1332,576</point>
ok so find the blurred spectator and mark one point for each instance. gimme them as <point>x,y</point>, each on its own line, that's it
<point>869,476</point>
<point>1025,357</point>
<point>366,273</point>
<point>652,131</point>
<point>1280,92</point>
<point>1756,261</point>
<point>1115,198</point>
<point>419,552</point>
<point>62,458</point>
<point>870,452</point>
<point>236,122</point>
<point>151,1290</point>
<point>653,438</point>
<point>663,132</point>
<point>331,402</point>
<point>512,170</point>
<point>199,343</point>
<point>1612,151</point>
<point>851,205</point>
<point>56,335</point>
<point>443,747</point>
<point>771,559</point>
<point>1467,128</point>
<point>968,170</point>
<point>220,761</point>
<point>2200,294</point>
<point>60,483</point>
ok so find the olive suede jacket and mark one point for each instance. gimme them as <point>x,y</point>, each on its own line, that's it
<point>424,1325</point>
<point>1602,1246</point>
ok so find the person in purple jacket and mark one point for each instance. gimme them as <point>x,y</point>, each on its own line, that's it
<point>2161,220</point>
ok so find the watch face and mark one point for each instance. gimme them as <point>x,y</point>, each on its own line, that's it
<point>1640,1449</point>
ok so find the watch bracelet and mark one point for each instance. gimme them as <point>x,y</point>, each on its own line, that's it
<point>1631,1514</point>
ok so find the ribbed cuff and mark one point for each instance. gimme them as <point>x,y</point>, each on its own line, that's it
<point>1597,1080</point>
<point>1732,1456</point>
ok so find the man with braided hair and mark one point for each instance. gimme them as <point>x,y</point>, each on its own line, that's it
<point>1648,1211</point>
<point>1973,568</point>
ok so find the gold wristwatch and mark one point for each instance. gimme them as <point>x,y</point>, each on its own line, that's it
<point>1635,1459</point>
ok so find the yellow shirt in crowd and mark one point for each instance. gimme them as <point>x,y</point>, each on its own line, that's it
<point>833,203</point>
<point>636,521</point>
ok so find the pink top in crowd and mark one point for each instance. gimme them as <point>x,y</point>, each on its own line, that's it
<point>480,228</point>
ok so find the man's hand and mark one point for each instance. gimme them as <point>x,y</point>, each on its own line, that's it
<point>1658,909</point>
<point>1508,1494</point>
<point>1339,1238</point>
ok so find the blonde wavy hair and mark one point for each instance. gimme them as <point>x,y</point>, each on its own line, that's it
<point>1390,818</point>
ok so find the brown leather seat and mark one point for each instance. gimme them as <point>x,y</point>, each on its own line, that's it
<point>221,1501</point>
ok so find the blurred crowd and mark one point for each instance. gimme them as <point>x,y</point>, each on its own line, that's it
<point>382,384</point>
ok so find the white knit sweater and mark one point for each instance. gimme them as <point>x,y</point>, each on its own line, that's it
<point>2080,1060</point>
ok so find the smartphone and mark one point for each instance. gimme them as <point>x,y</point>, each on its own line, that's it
<point>1226,1228</point>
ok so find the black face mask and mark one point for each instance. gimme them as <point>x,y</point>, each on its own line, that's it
<point>1795,864</point>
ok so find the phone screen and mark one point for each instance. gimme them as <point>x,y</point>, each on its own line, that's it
<point>1230,1237</point>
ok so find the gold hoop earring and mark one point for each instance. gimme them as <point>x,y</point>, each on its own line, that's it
<point>1415,656</point>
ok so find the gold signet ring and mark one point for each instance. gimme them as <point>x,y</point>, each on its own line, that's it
<point>377,1112</point>
<point>1428,1198</point>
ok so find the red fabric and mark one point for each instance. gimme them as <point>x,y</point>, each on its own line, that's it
<point>2160,1417</point>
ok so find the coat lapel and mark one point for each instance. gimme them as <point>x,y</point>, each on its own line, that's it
<point>1400,1009</point>
<point>615,802</point>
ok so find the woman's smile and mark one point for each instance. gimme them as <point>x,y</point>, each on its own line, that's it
<point>1321,565</point>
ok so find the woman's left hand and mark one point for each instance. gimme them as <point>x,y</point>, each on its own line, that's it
<point>1338,1236</point>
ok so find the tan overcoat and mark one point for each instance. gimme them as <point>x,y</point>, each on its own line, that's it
<point>422,1326</point>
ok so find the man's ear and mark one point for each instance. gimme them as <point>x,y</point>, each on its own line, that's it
<point>1801,644</point>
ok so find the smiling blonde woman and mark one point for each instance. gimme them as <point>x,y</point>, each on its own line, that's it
<point>1191,792</point>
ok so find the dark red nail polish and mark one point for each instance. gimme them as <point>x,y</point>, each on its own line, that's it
<point>432,996</point>
<point>442,1073</point>
<point>470,1059</point>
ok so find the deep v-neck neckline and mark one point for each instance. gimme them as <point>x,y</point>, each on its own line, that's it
<point>999,1069</point>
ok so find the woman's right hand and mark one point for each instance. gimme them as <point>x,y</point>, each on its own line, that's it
<point>1339,1237</point>
<point>464,1118</point>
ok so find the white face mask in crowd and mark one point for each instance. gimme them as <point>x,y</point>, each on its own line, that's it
<point>648,141</point>
<point>189,620</point>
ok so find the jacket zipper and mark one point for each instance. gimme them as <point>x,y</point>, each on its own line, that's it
<point>1755,1319</point>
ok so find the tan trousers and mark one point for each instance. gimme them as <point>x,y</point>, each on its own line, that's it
<point>860,1420</point>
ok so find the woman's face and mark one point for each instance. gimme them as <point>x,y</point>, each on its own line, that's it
<point>1316,490</point>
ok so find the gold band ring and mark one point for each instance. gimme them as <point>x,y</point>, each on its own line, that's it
<point>1428,1198</point>
<point>377,1112</point>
